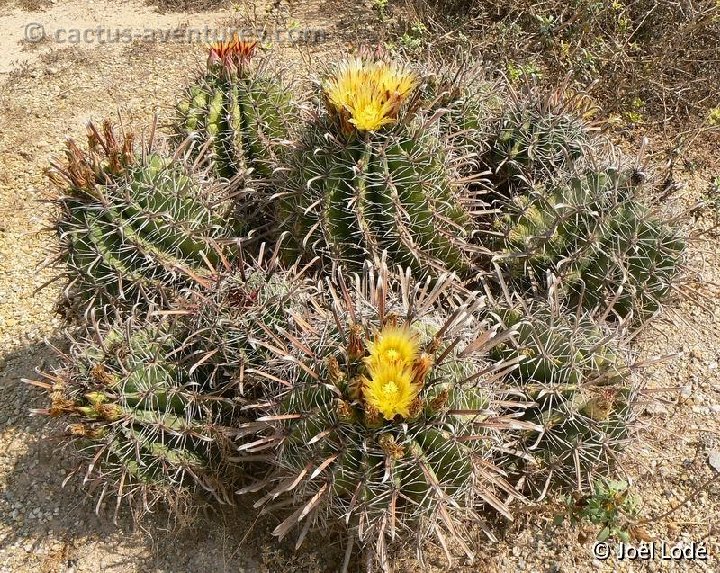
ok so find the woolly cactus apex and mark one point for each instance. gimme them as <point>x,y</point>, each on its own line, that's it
<point>134,228</point>
<point>352,194</point>
<point>578,378</point>
<point>383,416</point>
<point>237,111</point>
<point>600,247</point>
<point>149,433</point>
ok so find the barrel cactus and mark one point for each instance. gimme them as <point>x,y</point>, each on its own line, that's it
<point>228,320</point>
<point>538,137</point>
<point>238,111</point>
<point>383,416</point>
<point>149,430</point>
<point>590,235</point>
<point>367,178</point>
<point>577,376</point>
<point>134,227</point>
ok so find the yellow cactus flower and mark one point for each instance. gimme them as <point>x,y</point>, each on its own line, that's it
<point>390,389</point>
<point>393,345</point>
<point>368,94</point>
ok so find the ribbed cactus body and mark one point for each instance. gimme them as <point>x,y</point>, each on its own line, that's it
<point>352,198</point>
<point>240,117</point>
<point>590,232</point>
<point>137,236</point>
<point>579,380</point>
<point>533,142</point>
<point>378,413</point>
<point>420,457</point>
<point>639,252</point>
<point>149,428</point>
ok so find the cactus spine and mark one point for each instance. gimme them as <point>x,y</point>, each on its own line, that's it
<point>228,320</point>
<point>240,113</point>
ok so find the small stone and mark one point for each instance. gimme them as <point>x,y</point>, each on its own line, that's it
<point>714,460</point>
<point>656,408</point>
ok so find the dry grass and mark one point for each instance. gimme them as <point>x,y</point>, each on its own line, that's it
<point>651,61</point>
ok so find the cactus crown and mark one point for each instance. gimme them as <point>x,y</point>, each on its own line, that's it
<point>382,412</point>
<point>134,227</point>
<point>367,93</point>
<point>230,57</point>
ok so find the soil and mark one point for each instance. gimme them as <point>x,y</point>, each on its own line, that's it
<point>49,90</point>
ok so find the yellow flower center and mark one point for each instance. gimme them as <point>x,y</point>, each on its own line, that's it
<point>390,388</point>
<point>392,355</point>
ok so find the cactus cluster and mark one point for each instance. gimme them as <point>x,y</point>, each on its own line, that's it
<point>134,227</point>
<point>419,323</point>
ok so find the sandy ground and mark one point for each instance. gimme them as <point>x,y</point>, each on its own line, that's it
<point>48,90</point>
